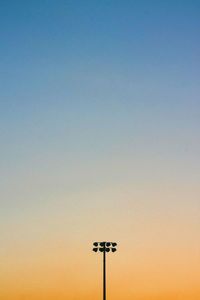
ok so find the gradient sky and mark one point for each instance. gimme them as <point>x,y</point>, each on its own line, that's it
<point>100,140</point>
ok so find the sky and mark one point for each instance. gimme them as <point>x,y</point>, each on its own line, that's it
<point>99,141</point>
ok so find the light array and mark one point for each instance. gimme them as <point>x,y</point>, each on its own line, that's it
<point>104,246</point>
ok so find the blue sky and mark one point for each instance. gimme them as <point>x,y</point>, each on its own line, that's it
<point>98,79</point>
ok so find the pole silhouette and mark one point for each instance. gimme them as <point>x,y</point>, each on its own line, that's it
<point>104,247</point>
<point>104,275</point>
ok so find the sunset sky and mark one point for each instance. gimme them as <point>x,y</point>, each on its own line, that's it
<point>100,140</point>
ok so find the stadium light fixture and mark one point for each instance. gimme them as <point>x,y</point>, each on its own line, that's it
<point>104,247</point>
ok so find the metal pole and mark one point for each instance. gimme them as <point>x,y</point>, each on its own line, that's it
<point>104,247</point>
<point>104,275</point>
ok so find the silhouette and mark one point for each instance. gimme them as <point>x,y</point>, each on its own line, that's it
<point>104,247</point>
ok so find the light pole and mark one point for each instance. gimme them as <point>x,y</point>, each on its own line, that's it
<point>104,247</point>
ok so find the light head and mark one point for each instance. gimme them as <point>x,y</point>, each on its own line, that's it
<point>104,246</point>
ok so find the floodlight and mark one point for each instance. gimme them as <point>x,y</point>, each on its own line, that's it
<point>108,244</point>
<point>107,249</point>
<point>114,249</point>
<point>114,244</point>
<point>95,244</point>
<point>101,249</point>
<point>95,249</point>
<point>102,244</point>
